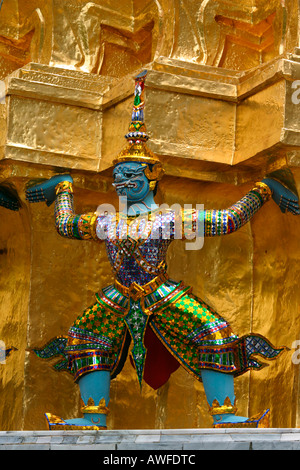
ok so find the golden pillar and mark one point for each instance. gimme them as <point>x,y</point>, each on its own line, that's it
<point>222,111</point>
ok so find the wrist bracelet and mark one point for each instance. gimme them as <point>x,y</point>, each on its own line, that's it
<point>64,186</point>
<point>264,189</point>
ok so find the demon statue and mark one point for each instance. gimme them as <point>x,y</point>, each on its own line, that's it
<point>167,325</point>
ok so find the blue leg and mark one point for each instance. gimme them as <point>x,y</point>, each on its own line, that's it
<point>219,387</point>
<point>94,390</point>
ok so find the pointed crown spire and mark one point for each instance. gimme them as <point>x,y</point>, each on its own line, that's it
<point>136,149</point>
<point>137,128</point>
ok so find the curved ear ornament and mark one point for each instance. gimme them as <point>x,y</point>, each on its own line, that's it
<point>156,173</point>
<point>152,185</point>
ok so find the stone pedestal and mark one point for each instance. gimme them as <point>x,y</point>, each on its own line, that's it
<point>171,442</point>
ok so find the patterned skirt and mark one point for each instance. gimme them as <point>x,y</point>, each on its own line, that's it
<point>167,328</point>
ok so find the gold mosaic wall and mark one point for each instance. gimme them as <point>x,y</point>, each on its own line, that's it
<point>221,110</point>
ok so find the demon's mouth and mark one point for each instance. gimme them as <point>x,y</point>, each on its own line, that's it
<point>125,184</point>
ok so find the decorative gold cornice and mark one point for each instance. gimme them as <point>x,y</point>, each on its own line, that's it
<point>258,36</point>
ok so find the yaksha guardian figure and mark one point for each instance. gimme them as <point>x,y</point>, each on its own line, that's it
<point>167,325</point>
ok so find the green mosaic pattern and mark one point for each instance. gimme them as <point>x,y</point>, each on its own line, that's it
<point>183,325</point>
<point>191,330</point>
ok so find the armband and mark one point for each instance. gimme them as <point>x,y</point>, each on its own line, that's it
<point>87,226</point>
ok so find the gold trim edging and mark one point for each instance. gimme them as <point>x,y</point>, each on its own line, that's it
<point>55,423</point>
<point>227,407</point>
<point>135,291</point>
<point>92,408</point>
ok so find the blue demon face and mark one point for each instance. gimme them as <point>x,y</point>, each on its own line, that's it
<point>130,181</point>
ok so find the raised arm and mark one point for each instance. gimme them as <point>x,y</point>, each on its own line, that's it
<point>224,221</point>
<point>68,224</point>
